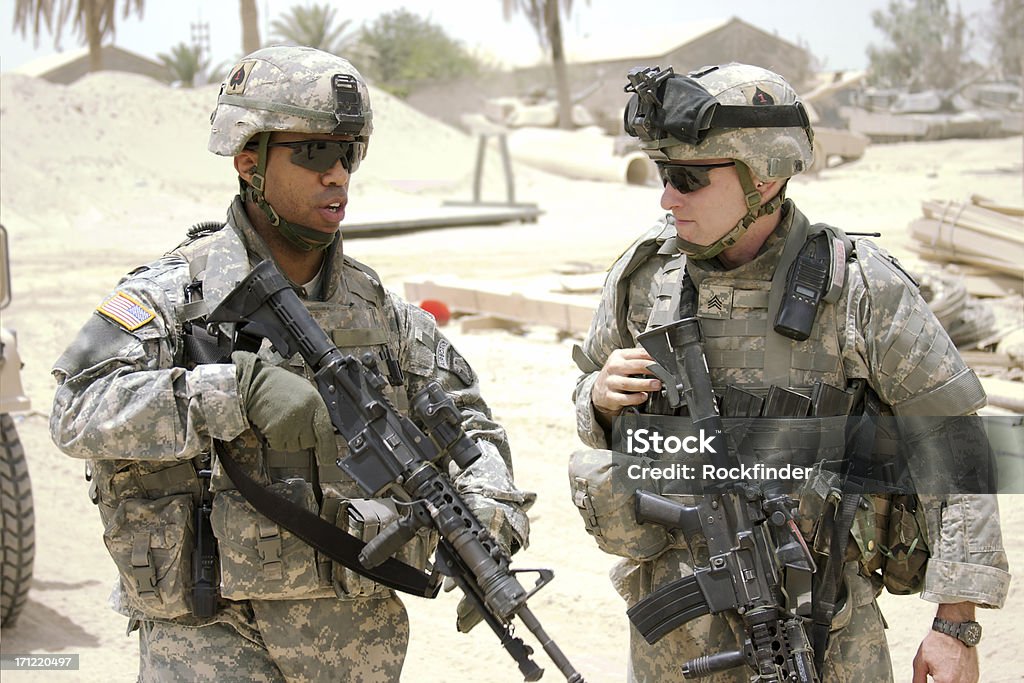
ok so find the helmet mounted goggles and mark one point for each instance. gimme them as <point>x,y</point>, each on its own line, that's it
<point>666,104</point>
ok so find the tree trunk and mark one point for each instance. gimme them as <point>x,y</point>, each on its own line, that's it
<point>554,27</point>
<point>93,36</point>
<point>250,26</point>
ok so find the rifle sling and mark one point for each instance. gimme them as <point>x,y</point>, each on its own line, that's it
<point>828,590</point>
<point>861,437</point>
<point>333,542</point>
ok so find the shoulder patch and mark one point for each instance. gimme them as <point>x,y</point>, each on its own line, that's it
<point>126,311</point>
<point>449,359</point>
<point>443,354</point>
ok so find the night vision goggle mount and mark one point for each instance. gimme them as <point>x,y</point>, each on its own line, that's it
<point>644,83</point>
<point>666,104</point>
<point>348,105</point>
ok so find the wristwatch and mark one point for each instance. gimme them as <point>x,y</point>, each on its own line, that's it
<point>967,632</point>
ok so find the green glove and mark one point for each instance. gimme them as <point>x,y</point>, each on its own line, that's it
<point>282,406</point>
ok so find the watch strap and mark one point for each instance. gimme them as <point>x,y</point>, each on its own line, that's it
<point>967,632</point>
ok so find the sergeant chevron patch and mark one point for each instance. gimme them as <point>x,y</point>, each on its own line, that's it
<point>126,311</point>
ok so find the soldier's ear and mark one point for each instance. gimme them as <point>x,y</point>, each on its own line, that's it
<point>768,189</point>
<point>245,163</point>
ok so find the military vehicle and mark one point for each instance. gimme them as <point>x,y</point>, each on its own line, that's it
<point>17,531</point>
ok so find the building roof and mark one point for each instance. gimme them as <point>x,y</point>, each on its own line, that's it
<point>49,63</point>
<point>660,40</point>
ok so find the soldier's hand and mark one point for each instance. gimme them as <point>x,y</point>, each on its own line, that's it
<point>946,660</point>
<point>617,385</point>
<point>284,407</point>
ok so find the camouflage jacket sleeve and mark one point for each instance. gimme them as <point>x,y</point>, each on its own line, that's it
<point>121,390</point>
<point>892,338</point>
<point>621,315</point>
<point>487,485</point>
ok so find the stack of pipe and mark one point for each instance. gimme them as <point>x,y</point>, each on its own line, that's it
<point>978,232</point>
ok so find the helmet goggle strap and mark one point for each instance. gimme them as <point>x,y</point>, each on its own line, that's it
<point>302,237</point>
<point>755,210</point>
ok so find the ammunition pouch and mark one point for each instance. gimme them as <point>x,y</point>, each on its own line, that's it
<point>818,496</point>
<point>905,553</point>
<point>365,518</point>
<point>258,558</point>
<point>604,495</point>
<point>888,533</point>
<point>151,543</point>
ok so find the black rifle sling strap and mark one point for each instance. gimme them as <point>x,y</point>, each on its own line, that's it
<point>859,446</point>
<point>827,590</point>
<point>340,546</point>
<point>336,544</point>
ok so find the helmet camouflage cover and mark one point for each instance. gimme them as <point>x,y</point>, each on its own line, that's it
<point>770,150</point>
<point>293,89</point>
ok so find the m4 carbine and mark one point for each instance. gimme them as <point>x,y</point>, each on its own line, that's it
<point>757,566</point>
<point>389,453</point>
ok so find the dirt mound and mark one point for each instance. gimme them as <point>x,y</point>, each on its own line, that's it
<point>141,146</point>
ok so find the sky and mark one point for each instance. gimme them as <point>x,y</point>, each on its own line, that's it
<point>837,32</point>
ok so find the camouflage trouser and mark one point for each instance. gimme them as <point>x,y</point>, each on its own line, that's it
<point>363,641</point>
<point>857,653</point>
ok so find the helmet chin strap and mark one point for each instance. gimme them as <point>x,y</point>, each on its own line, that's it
<point>302,237</point>
<point>755,210</point>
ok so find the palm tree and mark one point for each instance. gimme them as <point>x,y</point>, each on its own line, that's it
<point>312,26</point>
<point>93,21</point>
<point>545,17</point>
<point>186,64</point>
<point>250,26</point>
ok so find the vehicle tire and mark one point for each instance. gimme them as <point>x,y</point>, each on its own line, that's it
<point>17,532</point>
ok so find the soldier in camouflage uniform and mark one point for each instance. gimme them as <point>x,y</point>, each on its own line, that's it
<point>728,238</point>
<point>137,404</point>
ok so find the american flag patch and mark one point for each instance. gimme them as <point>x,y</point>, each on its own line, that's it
<point>126,311</point>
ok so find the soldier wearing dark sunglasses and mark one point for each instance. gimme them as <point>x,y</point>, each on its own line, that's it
<point>788,312</point>
<point>215,589</point>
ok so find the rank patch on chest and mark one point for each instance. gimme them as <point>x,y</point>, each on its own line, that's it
<point>714,301</point>
<point>126,311</point>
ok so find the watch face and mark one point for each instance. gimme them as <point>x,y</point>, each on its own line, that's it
<point>971,634</point>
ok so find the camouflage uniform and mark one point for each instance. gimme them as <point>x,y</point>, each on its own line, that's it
<point>881,330</point>
<point>143,414</point>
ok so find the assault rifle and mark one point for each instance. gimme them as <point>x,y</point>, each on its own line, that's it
<point>389,453</point>
<point>757,565</point>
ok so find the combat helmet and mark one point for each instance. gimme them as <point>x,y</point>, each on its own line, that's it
<point>733,111</point>
<point>291,89</point>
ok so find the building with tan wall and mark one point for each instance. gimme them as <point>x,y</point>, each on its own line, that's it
<point>598,67</point>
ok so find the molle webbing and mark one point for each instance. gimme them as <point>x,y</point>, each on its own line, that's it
<point>959,395</point>
<point>736,317</point>
<point>778,349</point>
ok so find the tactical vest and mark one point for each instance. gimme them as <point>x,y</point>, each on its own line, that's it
<point>257,558</point>
<point>744,353</point>
<point>737,315</point>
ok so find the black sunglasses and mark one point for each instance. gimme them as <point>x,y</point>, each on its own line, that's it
<point>321,155</point>
<point>685,178</point>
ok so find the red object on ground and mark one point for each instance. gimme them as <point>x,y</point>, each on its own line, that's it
<point>438,309</point>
